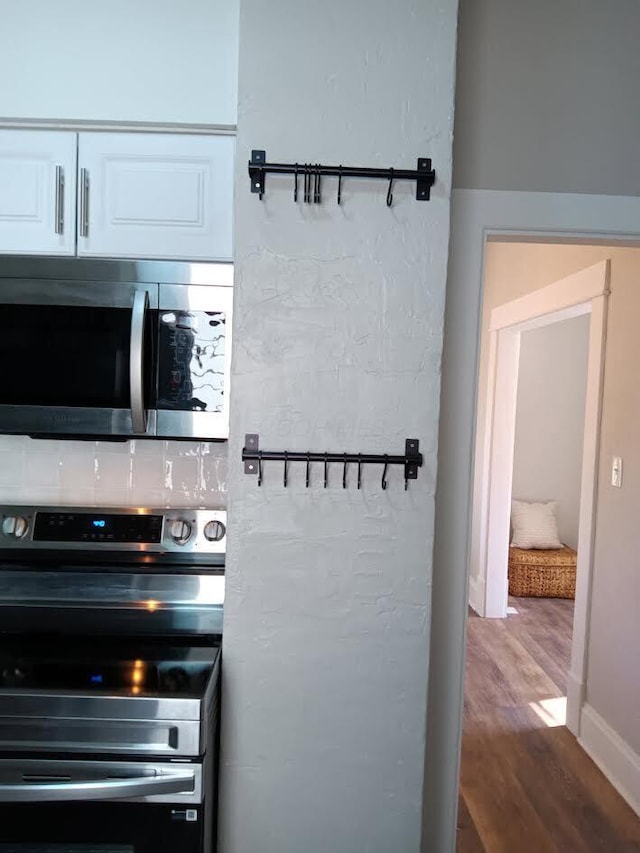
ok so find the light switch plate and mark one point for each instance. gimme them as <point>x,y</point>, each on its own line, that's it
<point>616,472</point>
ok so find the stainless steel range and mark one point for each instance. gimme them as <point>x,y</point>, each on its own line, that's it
<point>110,634</point>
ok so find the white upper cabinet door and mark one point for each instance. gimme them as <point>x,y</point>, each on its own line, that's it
<point>37,192</point>
<point>155,196</point>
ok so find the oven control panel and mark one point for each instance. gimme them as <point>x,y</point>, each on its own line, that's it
<point>109,528</point>
<point>98,527</point>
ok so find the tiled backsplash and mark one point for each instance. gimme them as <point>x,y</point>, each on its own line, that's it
<point>102,473</point>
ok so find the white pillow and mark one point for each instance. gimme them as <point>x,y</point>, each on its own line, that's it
<point>534,525</point>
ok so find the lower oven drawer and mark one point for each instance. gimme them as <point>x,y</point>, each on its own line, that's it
<point>102,828</point>
<point>103,807</point>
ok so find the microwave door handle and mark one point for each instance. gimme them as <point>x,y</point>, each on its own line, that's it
<point>136,362</point>
<point>109,789</point>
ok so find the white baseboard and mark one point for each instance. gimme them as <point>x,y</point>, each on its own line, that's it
<point>575,701</point>
<point>619,763</point>
<point>476,595</point>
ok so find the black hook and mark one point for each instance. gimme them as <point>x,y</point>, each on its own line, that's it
<point>359,471</point>
<point>307,184</point>
<point>406,477</point>
<point>295,185</point>
<point>326,471</point>
<point>285,474</point>
<point>316,185</point>
<point>384,472</point>
<point>308,469</point>
<point>259,467</point>
<point>389,193</point>
<point>340,184</point>
<point>344,472</point>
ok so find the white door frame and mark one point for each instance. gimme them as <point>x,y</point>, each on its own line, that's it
<point>584,292</point>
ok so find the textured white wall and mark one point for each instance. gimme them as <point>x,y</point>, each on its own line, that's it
<point>116,60</point>
<point>103,473</point>
<point>552,386</point>
<point>337,346</point>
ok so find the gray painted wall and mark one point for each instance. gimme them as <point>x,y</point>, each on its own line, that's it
<point>523,68</point>
<point>547,96</point>
<point>613,679</point>
<point>552,387</point>
<point>338,335</point>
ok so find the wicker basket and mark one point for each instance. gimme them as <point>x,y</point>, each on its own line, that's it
<point>542,573</point>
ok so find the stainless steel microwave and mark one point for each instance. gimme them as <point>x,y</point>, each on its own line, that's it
<point>114,349</point>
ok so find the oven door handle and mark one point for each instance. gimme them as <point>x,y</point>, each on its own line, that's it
<point>136,362</point>
<point>180,782</point>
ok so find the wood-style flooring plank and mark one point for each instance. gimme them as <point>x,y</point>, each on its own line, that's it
<point>468,840</point>
<point>497,802</point>
<point>545,628</point>
<point>525,783</point>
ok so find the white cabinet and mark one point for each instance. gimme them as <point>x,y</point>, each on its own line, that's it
<point>37,192</point>
<point>155,196</point>
<point>116,195</point>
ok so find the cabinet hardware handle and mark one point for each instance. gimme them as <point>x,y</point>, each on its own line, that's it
<point>59,204</point>
<point>84,203</point>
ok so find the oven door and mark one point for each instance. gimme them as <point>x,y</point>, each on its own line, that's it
<point>101,807</point>
<point>78,356</point>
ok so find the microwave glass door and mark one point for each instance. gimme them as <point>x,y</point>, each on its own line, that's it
<point>70,351</point>
<point>65,356</point>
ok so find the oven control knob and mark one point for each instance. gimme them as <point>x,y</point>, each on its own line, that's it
<point>15,525</point>
<point>180,531</point>
<point>214,531</point>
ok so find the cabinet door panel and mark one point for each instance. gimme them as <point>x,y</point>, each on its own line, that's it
<point>37,192</point>
<point>156,196</point>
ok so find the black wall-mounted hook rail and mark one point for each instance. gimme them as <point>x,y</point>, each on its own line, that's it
<point>424,176</point>
<point>254,458</point>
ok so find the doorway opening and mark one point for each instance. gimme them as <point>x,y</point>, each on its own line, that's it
<point>526,671</point>
<point>582,294</point>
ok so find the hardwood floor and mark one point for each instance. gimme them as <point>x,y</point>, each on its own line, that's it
<point>525,784</point>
